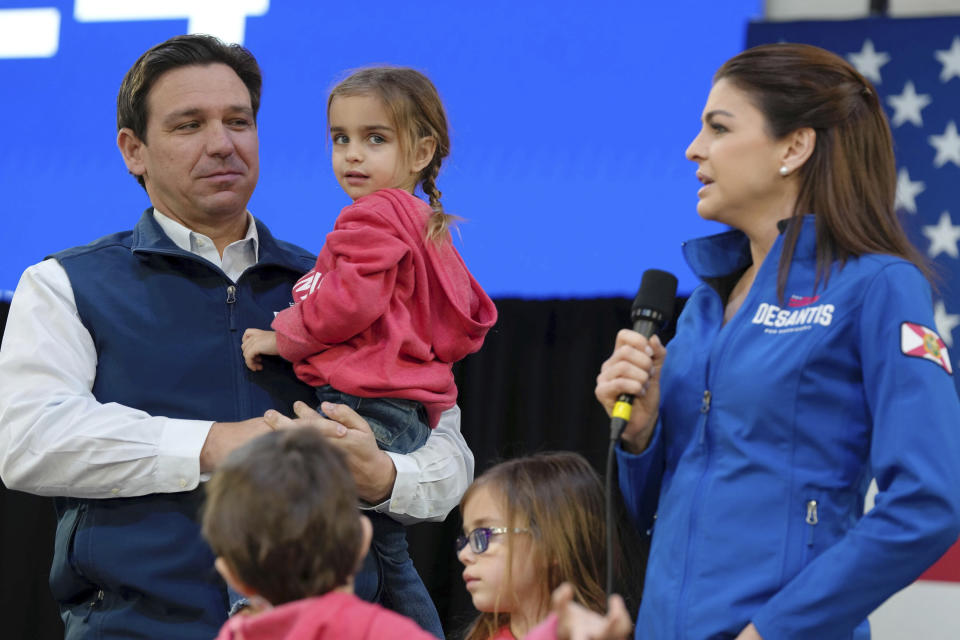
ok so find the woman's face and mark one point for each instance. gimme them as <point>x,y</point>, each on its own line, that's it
<point>738,161</point>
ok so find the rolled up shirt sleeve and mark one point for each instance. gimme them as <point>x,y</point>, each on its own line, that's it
<point>431,480</point>
<point>55,437</point>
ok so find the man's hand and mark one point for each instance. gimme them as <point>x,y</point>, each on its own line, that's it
<point>372,469</point>
<point>257,342</point>
<point>224,437</point>
<point>575,622</point>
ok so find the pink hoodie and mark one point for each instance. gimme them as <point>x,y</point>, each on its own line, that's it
<point>384,313</point>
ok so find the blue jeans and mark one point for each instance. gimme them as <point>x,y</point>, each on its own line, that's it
<point>388,576</point>
<point>399,425</point>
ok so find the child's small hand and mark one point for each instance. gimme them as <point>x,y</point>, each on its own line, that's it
<point>750,633</point>
<point>257,342</point>
<point>575,622</point>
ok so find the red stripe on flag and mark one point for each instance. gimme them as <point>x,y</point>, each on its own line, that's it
<point>947,568</point>
<point>917,329</point>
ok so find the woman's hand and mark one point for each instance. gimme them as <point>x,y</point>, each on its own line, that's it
<point>372,469</point>
<point>634,368</point>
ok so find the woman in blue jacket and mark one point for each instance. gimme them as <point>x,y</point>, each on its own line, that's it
<point>805,364</point>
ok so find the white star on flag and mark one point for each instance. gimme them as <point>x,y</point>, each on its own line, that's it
<point>907,191</point>
<point>868,61</point>
<point>947,146</point>
<point>946,322</point>
<point>950,59</point>
<point>943,237</point>
<point>907,105</point>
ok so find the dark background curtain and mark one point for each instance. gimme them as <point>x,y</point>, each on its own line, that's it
<point>529,389</point>
<point>27,525</point>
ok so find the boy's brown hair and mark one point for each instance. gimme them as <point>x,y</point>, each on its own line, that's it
<point>282,512</point>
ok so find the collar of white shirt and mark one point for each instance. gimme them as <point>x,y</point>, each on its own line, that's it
<point>237,256</point>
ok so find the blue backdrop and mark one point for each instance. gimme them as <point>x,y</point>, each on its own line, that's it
<point>569,123</point>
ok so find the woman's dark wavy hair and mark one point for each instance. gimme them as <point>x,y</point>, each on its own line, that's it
<point>849,181</point>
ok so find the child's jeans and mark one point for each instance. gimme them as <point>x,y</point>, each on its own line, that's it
<point>388,576</point>
<point>399,425</point>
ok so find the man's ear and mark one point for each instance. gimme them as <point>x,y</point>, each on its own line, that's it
<point>797,149</point>
<point>366,536</point>
<point>228,574</point>
<point>423,153</point>
<point>131,148</point>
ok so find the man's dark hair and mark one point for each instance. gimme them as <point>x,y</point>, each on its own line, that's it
<point>180,51</point>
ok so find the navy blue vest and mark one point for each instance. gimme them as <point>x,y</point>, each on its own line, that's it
<point>166,325</point>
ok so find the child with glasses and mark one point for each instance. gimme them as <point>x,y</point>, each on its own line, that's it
<point>281,516</point>
<point>529,525</point>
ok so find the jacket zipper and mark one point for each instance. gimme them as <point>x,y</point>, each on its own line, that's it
<point>812,519</point>
<point>704,410</point>
<point>231,301</point>
<point>702,428</point>
<point>93,605</point>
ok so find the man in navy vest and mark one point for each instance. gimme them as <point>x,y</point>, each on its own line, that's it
<point>122,382</point>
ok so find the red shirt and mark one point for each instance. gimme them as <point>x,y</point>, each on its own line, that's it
<point>332,616</point>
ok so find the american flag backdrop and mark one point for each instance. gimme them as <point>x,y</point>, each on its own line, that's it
<point>915,66</point>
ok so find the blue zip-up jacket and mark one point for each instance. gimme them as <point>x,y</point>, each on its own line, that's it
<point>770,429</point>
<point>166,325</point>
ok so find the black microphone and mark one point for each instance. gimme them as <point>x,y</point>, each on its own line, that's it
<point>651,310</point>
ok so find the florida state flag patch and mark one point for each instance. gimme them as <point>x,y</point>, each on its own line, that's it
<point>920,342</point>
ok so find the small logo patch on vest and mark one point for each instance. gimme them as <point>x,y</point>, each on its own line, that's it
<point>801,301</point>
<point>918,341</point>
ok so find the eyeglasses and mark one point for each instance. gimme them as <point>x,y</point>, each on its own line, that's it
<point>479,538</point>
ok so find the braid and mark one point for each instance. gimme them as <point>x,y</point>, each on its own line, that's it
<point>438,225</point>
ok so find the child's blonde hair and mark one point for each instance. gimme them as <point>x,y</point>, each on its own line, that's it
<point>414,104</point>
<point>559,498</point>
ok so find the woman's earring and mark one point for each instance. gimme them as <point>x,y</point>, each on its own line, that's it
<point>784,171</point>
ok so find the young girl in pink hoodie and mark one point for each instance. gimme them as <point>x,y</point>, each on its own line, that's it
<point>390,305</point>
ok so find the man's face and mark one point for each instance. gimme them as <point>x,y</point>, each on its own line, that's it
<point>200,159</point>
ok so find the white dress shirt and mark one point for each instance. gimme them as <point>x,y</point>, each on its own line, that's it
<point>56,439</point>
